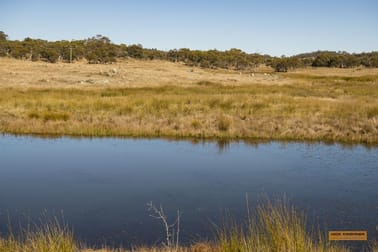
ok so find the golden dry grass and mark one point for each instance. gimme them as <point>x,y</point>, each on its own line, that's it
<point>51,237</point>
<point>163,99</point>
<point>273,228</point>
<point>345,72</point>
<point>124,73</point>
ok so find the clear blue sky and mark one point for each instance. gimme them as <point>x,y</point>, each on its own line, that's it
<point>267,26</point>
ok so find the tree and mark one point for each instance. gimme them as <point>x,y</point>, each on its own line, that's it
<point>99,50</point>
<point>50,55</point>
<point>281,65</point>
<point>135,51</point>
<point>3,36</point>
<point>321,60</point>
<point>4,44</point>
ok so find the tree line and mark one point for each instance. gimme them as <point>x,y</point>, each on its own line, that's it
<point>100,50</point>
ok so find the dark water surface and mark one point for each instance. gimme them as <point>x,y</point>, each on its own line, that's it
<point>102,186</point>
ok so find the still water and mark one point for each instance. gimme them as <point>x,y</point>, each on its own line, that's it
<point>101,187</point>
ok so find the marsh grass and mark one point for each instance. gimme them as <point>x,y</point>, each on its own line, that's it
<point>273,227</point>
<point>50,237</point>
<point>340,106</point>
<point>255,111</point>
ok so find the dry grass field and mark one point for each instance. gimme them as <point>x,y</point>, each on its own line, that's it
<point>164,99</point>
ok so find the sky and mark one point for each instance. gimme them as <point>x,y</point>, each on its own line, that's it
<point>267,26</point>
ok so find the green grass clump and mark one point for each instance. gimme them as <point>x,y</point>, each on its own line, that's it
<point>33,115</point>
<point>51,116</point>
<point>372,112</point>
<point>195,124</point>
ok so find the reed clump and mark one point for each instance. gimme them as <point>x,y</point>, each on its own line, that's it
<point>275,227</point>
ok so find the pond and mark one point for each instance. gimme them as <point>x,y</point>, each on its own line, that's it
<point>101,186</point>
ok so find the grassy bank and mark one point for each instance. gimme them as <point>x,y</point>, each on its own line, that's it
<point>274,227</point>
<point>296,106</point>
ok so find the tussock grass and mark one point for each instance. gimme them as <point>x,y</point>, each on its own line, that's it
<point>256,111</point>
<point>341,106</point>
<point>51,237</point>
<point>274,227</point>
<point>223,123</point>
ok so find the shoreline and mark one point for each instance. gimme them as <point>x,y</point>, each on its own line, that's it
<point>196,140</point>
